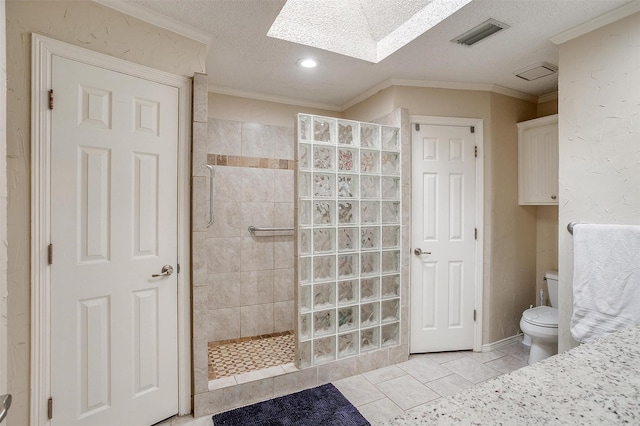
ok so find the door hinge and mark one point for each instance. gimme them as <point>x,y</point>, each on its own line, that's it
<point>474,314</point>
<point>475,233</point>
<point>473,129</point>
<point>50,408</point>
<point>50,254</point>
<point>178,268</point>
<point>417,127</point>
<point>475,150</point>
<point>51,99</point>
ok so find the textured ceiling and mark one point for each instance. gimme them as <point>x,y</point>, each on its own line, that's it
<point>243,58</point>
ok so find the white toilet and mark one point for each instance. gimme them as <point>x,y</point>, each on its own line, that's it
<point>541,323</point>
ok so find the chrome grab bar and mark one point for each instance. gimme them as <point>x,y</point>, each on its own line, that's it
<point>212,175</point>
<point>5,403</point>
<point>254,229</point>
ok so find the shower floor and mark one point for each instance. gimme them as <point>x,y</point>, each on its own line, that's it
<point>231,357</point>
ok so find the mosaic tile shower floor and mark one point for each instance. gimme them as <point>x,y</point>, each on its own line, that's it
<point>231,357</point>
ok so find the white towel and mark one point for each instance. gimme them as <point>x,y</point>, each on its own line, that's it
<point>606,279</point>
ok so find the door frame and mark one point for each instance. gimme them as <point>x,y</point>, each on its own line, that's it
<point>42,51</point>
<point>478,123</point>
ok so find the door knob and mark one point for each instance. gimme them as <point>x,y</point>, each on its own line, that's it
<point>419,252</point>
<point>166,271</point>
<point>553,197</point>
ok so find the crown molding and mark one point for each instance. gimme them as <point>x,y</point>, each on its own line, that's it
<point>157,19</point>
<point>609,17</point>
<point>548,97</point>
<point>260,96</point>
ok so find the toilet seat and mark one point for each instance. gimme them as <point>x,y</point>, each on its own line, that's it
<point>541,316</point>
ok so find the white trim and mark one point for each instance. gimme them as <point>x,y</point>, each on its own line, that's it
<point>609,17</point>
<point>157,19</point>
<point>43,49</point>
<point>4,352</point>
<point>548,97</point>
<point>478,123</point>
<point>537,122</point>
<point>488,347</point>
<point>260,96</point>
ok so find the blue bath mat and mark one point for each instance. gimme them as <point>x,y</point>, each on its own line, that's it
<point>321,406</point>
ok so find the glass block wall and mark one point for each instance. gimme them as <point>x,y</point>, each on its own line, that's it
<point>348,238</point>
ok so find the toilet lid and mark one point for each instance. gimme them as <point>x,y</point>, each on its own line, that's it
<point>543,316</point>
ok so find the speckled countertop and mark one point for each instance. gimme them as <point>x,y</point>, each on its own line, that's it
<point>594,384</point>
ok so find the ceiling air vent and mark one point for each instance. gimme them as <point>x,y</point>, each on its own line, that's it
<point>480,32</point>
<point>536,71</point>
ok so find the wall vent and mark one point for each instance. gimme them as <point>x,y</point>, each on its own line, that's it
<point>536,71</point>
<point>479,33</point>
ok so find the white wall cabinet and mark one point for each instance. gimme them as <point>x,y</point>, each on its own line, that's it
<point>538,161</point>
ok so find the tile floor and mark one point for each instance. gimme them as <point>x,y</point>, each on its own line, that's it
<point>384,393</point>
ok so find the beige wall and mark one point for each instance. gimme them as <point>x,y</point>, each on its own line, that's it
<point>547,108</point>
<point>509,229</point>
<point>95,27</point>
<point>598,127</point>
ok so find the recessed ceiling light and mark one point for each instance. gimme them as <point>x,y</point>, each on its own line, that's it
<point>308,63</point>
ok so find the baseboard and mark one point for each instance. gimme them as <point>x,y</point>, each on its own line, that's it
<point>501,343</point>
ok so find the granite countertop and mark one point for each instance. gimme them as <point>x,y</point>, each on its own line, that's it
<point>594,384</point>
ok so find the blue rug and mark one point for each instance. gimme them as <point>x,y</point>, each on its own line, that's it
<point>321,406</point>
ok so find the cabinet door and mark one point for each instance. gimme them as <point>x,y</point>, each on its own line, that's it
<point>538,165</point>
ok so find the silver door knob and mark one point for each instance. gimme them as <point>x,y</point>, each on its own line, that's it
<point>419,252</point>
<point>166,271</point>
<point>5,403</point>
<point>553,197</point>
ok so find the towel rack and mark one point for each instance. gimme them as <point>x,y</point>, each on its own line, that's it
<point>570,227</point>
<point>212,175</point>
<point>254,229</point>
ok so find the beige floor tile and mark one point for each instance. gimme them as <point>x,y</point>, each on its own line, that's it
<point>516,350</point>
<point>358,390</point>
<point>407,392</point>
<point>441,357</point>
<point>506,364</point>
<point>424,369</point>
<point>485,357</point>
<point>384,374</point>
<point>471,370</point>
<point>449,385</point>
<point>380,411</point>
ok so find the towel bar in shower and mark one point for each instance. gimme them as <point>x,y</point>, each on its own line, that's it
<point>212,175</point>
<point>254,229</point>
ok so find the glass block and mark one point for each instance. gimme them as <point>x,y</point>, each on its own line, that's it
<point>369,186</point>
<point>347,186</point>
<point>390,310</point>
<point>390,286</point>
<point>323,157</point>
<point>304,327</point>
<point>324,350</point>
<point>369,135</point>
<point>323,129</point>
<point>324,240</point>
<point>348,344</point>
<point>390,237</point>
<point>323,185</point>
<point>304,213</point>
<point>369,314</point>
<point>390,261</point>
<point>347,160</point>
<point>324,296</point>
<point>347,212</point>
<point>347,239</point>
<point>304,244</point>
<point>370,237</point>
<point>370,263</point>
<point>347,318</point>
<point>304,269</point>
<point>369,289</point>
<point>304,130</point>
<point>324,268</point>
<point>347,292</point>
<point>369,161</point>
<point>347,133</point>
<point>369,339</point>
<point>304,354</point>
<point>304,184</point>
<point>390,163</point>
<point>347,266</point>
<point>390,334</point>
<point>324,323</point>
<point>324,212</point>
<point>390,212</point>
<point>369,212</point>
<point>304,156</point>
<point>304,296</point>
<point>390,138</point>
<point>390,188</point>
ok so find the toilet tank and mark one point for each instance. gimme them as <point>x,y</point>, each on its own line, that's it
<point>551,277</point>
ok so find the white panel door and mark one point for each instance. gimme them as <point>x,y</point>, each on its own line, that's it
<point>114,224</point>
<point>443,230</point>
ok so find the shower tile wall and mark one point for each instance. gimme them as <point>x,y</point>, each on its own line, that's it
<point>243,285</point>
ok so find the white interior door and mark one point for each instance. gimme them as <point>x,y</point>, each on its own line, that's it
<point>443,229</point>
<point>114,225</point>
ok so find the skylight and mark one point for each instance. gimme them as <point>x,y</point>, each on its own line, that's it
<point>369,30</point>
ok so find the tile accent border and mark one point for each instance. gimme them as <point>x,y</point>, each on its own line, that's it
<point>253,162</point>
<point>246,339</point>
